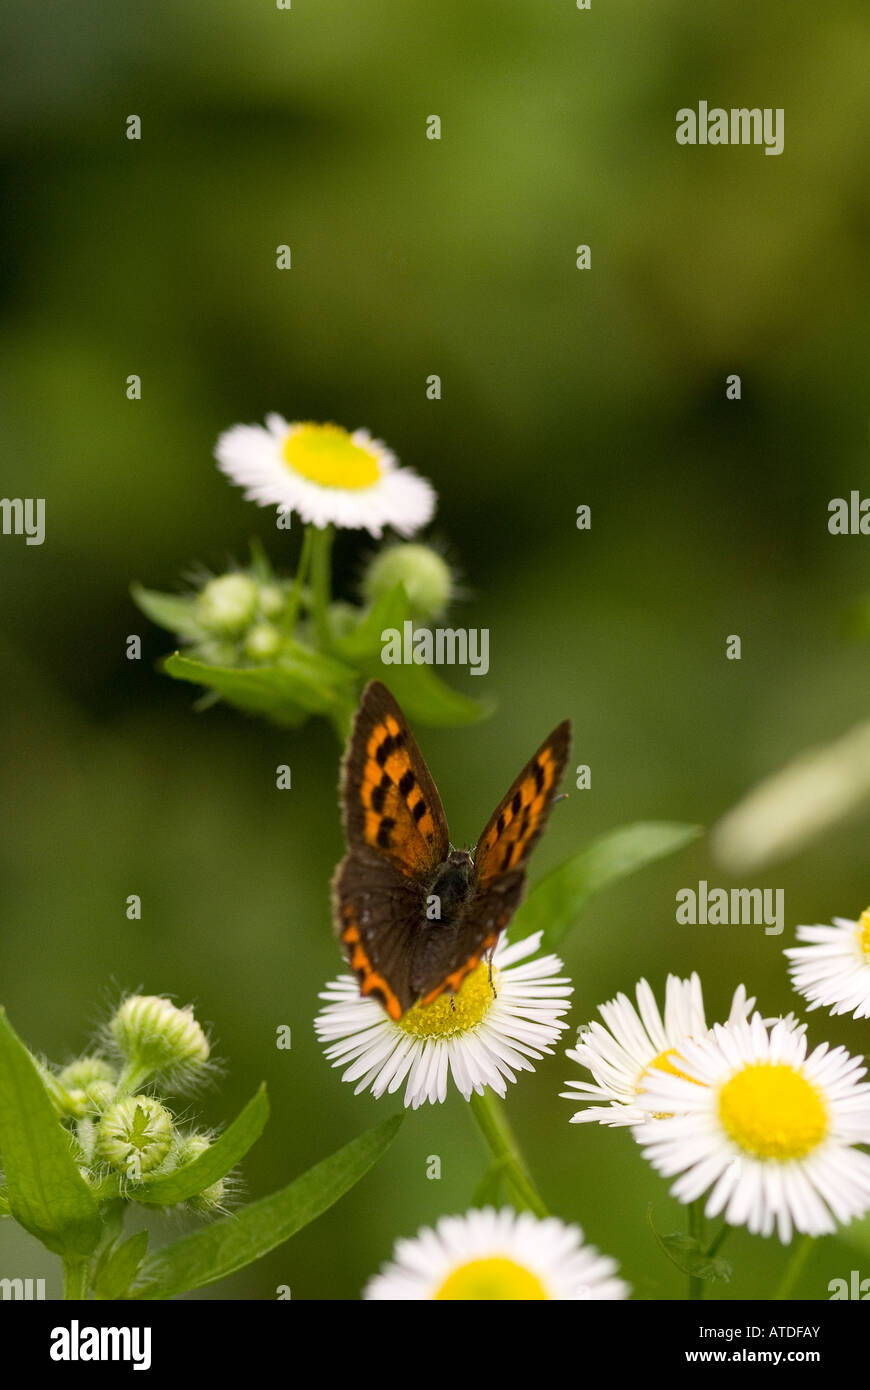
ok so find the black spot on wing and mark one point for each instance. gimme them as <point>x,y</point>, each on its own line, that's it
<point>384,829</point>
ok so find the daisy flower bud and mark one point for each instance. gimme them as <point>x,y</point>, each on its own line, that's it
<point>81,1074</point>
<point>271,600</point>
<point>212,1199</point>
<point>424,573</point>
<point>96,1097</point>
<point>134,1135</point>
<point>86,1084</point>
<point>156,1036</point>
<point>263,642</point>
<point>90,1083</point>
<point>216,653</point>
<point>189,1147</point>
<point>228,604</point>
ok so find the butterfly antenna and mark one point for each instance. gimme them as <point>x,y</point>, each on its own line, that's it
<point>453,1003</point>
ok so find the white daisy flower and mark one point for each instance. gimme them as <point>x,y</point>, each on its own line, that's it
<point>767,1130</point>
<point>325,474</point>
<point>835,970</point>
<point>634,1041</point>
<point>497,1255</point>
<point>486,1035</point>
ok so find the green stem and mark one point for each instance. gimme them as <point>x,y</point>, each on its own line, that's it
<point>133,1077</point>
<point>321,556</point>
<point>697,1229</point>
<point>491,1117</point>
<point>76,1277</point>
<point>795,1268</point>
<point>292,610</point>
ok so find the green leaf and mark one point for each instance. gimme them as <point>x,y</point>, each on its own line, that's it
<point>117,1268</point>
<point>556,901</point>
<point>235,1241</point>
<point>261,565</point>
<point>365,640</point>
<point>47,1194</point>
<point>685,1252</point>
<point>5,1209</point>
<point>174,612</point>
<point>303,682</point>
<point>212,1165</point>
<point>425,698</point>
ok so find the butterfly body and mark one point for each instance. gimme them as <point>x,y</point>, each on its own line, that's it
<point>415,916</point>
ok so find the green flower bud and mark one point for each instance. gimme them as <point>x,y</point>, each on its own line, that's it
<point>343,618</point>
<point>86,1133</point>
<point>216,653</point>
<point>134,1136</point>
<point>190,1146</point>
<point>424,573</point>
<point>227,605</point>
<point>212,1199</point>
<point>156,1036</point>
<point>98,1094</point>
<point>263,642</point>
<point>84,1071</point>
<point>271,600</point>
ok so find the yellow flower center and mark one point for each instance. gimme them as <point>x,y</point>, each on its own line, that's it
<point>450,1013</point>
<point>326,454</point>
<point>663,1063</point>
<point>492,1279</point>
<point>864,932</point>
<point>772,1111</point>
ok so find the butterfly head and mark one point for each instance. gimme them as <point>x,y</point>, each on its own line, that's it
<point>451,886</point>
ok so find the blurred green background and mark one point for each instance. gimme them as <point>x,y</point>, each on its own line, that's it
<point>413,257</point>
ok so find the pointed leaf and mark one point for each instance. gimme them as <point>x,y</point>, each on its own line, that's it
<point>212,1165</point>
<point>261,565</point>
<point>365,639</point>
<point>115,1272</point>
<point>426,698</point>
<point>685,1252</point>
<point>235,1241</point>
<point>47,1194</point>
<point>303,682</point>
<point>174,612</point>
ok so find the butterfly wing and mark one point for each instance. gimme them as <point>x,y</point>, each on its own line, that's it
<point>390,803</point>
<point>397,836</point>
<point>444,958</point>
<point>378,913</point>
<point>517,823</point>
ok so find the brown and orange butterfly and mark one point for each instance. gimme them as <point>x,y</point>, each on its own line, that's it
<point>413,915</point>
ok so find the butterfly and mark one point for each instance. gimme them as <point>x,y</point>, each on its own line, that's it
<point>415,916</point>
